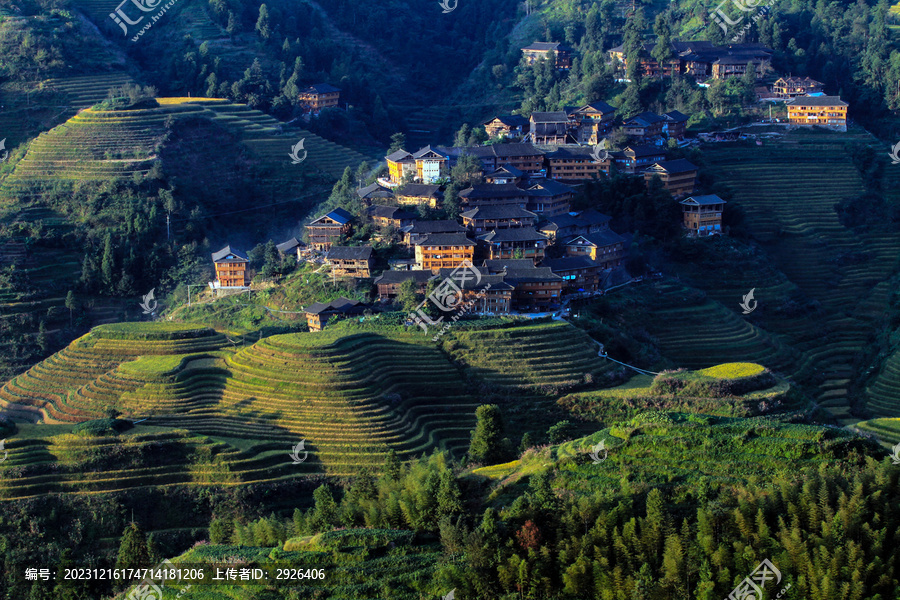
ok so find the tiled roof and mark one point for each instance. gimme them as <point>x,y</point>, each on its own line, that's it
<point>391,277</point>
<point>289,245</point>
<point>679,165</point>
<point>321,88</point>
<point>492,190</point>
<point>703,200</point>
<point>229,254</point>
<point>349,253</point>
<point>445,239</point>
<point>817,101</point>
<point>446,226</point>
<point>504,211</point>
<point>512,234</point>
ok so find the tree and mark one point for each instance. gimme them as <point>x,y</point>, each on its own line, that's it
<point>462,136</point>
<point>133,550</point>
<point>262,23</point>
<point>408,296</point>
<point>560,432</point>
<point>662,52</point>
<point>486,437</point>
<point>71,305</point>
<point>233,26</point>
<point>398,141</point>
<point>107,264</point>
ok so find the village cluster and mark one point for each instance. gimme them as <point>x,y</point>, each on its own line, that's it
<point>516,224</point>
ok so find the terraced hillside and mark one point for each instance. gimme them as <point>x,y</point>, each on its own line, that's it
<point>788,190</point>
<point>100,144</point>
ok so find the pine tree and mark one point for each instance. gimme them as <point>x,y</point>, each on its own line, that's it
<point>133,552</point>
<point>485,443</point>
<point>262,23</point>
<point>107,264</point>
<point>71,305</point>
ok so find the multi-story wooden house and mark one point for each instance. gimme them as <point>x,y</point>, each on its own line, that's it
<point>443,250</point>
<point>524,157</point>
<point>824,111</point>
<point>292,247</point>
<point>700,59</point>
<point>388,284</point>
<point>319,96</point>
<point>634,159</point>
<point>789,88</point>
<point>508,126</point>
<point>350,261</point>
<point>579,273</point>
<point>604,247</point>
<point>506,216</point>
<point>518,242</point>
<point>505,174</point>
<point>318,314</point>
<point>678,176</point>
<point>703,215</point>
<point>562,227</point>
<point>419,230</point>
<point>562,54</point>
<point>534,288</point>
<point>401,165</point>
<point>374,193</point>
<point>487,295</point>
<point>547,197</point>
<point>493,194</point>
<point>390,216</point>
<point>431,165</point>
<point>675,124</point>
<point>576,163</point>
<point>550,128</point>
<point>231,268</point>
<point>593,121</point>
<point>328,229</point>
<point>427,194</point>
<point>644,126</point>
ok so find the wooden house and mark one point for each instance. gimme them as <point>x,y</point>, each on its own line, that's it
<point>388,284</point>
<point>504,174</point>
<point>505,216</point>
<point>431,165</point>
<point>644,126</point>
<point>488,295</point>
<point>824,111</point>
<point>674,125</point>
<point>534,288</point>
<point>593,121</point>
<point>517,242</point>
<point>522,156</point>
<point>561,227</point>
<point>579,273</point>
<point>292,246</point>
<point>548,198</point>
<point>318,314</point>
<point>678,176</point>
<point>493,194</point>
<point>231,268</point>
<point>400,164</point>
<point>634,159</point>
<point>319,96</point>
<point>576,163</point>
<point>419,230</point>
<point>416,194</point>
<point>538,50</point>
<point>443,250</point>
<point>509,126</point>
<point>550,128</point>
<point>604,247</point>
<point>703,215</point>
<point>328,229</point>
<point>374,193</point>
<point>389,216</point>
<point>789,88</point>
<point>350,261</point>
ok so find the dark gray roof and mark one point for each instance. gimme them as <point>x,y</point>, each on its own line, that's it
<point>503,150</point>
<point>341,305</point>
<point>550,117</point>
<point>289,245</point>
<point>374,191</point>
<point>572,152</point>
<point>503,211</point>
<point>349,253</point>
<point>495,265</point>
<point>512,234</point>
<point>427,150</point>
<point>607,237</point>
<point>496,281</point>
<point>492,190</point>
<point>543,188</point>
<point>598,106</point>
<point>229,254</point>
<point>645,150</point>
<point>530,275</point>
<point>817,101</point>
<point>569,263</point>
<point>321,88</point>
<point>390,212</point>
<point>419,190</point>
<point>510,120</point>
<point>445,239</point>
<point>679,165</point>
<point>703,200</point>
<point>506,170</point>
<point>398,155</point>
<point>675,116</point>
<point>390,277</point>
<point>446,226</point>
<point>546,46</point>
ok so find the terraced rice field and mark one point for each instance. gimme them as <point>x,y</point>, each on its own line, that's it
<point>788,191</point>
<point>99,144</point>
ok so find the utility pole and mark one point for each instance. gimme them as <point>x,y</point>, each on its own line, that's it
<point>168,230</point>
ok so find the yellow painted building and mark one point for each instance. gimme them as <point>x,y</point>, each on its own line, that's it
<point>825,111</point>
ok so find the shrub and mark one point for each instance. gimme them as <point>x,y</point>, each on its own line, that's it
<point>101,427</point>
